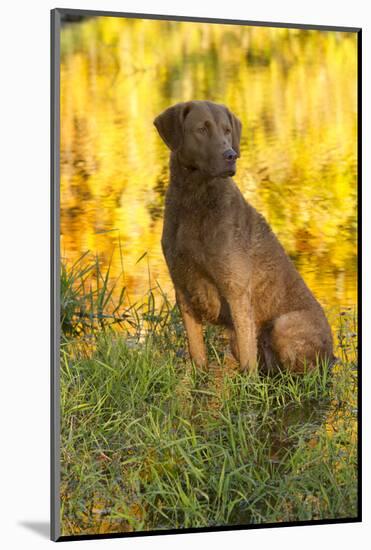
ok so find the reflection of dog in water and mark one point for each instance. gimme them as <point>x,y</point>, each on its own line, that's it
<point>227,266</point>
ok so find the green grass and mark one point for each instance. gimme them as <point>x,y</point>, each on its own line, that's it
<point>149,442</point>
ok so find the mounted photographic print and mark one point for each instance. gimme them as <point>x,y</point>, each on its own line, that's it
<point>205,253</point>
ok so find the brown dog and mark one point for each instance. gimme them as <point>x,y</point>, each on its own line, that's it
<point>227,266</point>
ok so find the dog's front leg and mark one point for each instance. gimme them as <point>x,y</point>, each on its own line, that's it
<point>196,344</point>
<point>245,330</point>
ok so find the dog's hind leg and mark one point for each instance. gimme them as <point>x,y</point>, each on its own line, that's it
<point>301,339</point>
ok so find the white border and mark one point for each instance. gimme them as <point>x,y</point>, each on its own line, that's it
<point>24,233</point>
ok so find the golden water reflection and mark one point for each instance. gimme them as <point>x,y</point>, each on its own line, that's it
<point>295,93</point>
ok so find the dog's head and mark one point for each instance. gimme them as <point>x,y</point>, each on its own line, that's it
<point>204,135</point>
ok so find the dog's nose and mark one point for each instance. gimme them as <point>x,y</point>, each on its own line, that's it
<point>230,154</point>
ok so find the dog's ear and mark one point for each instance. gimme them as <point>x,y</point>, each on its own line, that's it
<point>236,131</point>
<point>170,124</point>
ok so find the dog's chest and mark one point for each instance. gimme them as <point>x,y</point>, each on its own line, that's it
<point>201,234</point>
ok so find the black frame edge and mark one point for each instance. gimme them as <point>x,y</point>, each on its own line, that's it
<point>54,277</point>
<point>359,264</point>
<point>196,19</point>
<point>223,528</point>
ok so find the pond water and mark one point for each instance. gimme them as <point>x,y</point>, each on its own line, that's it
<point>295,93</point>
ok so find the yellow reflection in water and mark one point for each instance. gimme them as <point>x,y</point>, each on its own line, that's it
<point>295,93</point>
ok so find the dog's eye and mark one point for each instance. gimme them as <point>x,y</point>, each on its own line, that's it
<point>227,130</point>
<point>202,130</point>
